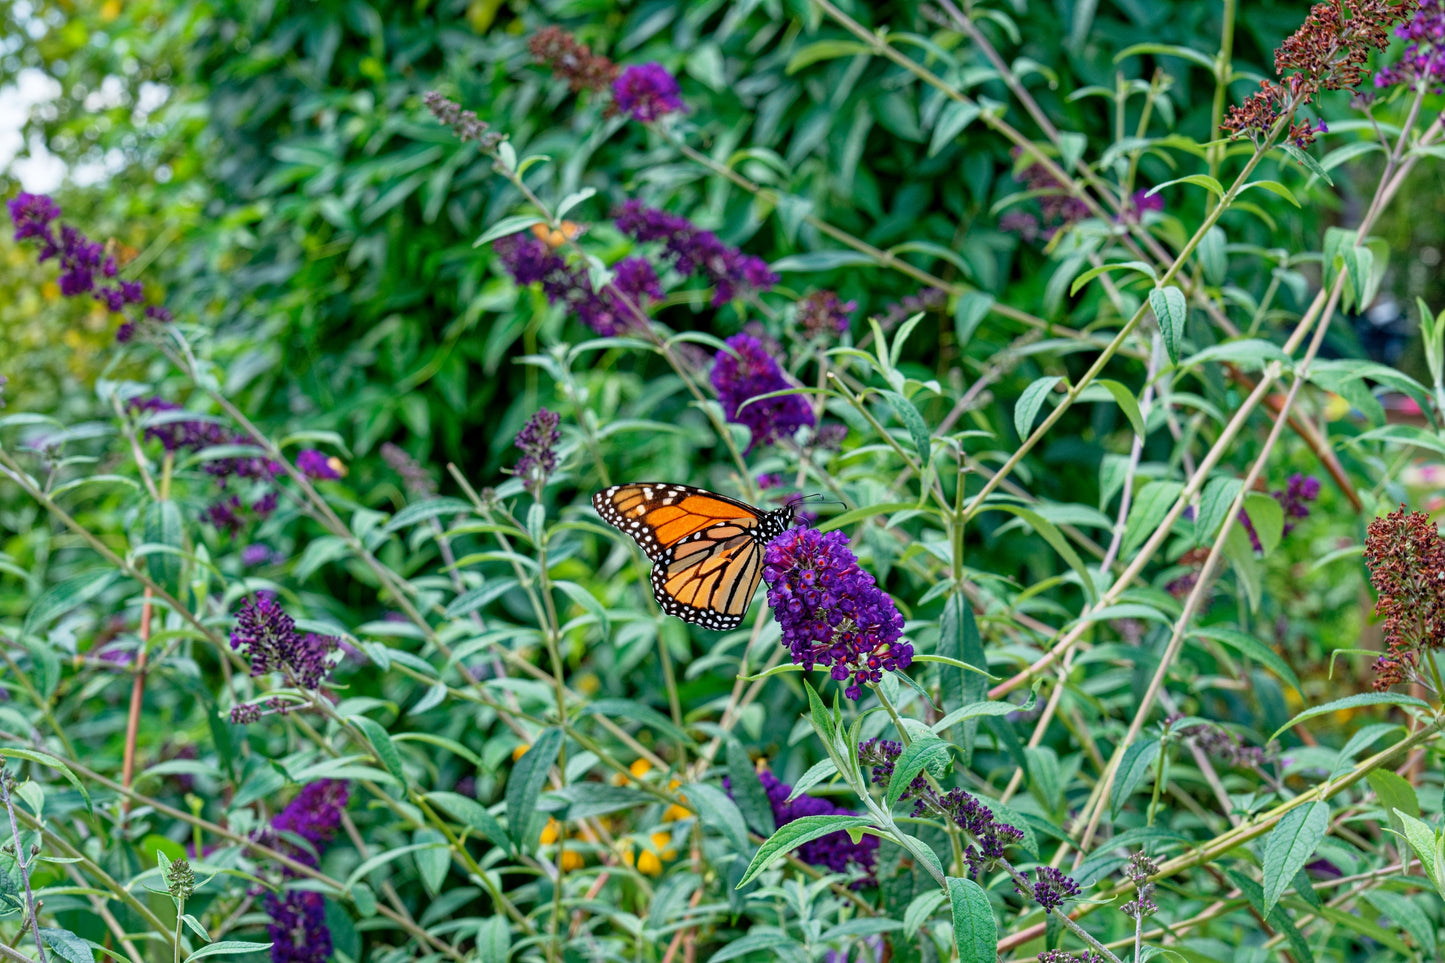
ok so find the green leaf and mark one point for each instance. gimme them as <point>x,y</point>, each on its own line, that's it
<point>507,226</point>
<point>380,740</point>
<point>1198,180</point>
<point>1171,310</point>
<point>975,931</point>
<point>1142,267</point>
<point>1137,763</point>
<point>975,710</point>
<point>421,511</point>
<point>1354,702</point>
<point>1151,505</point>
<point>67,595</point>
<point>1214,503</point>
<point>583,799</point>
<point>1274,187</point>
<point>1250,647</point>
<point>68,946</point>
<point>921,754</point>
<point>1029,403</point>
<point>1267,517</point>
<point>824,50</point>
<point>1127,404</point>
<point>972,308</point>
<point>494,940</point>
<point>748,791</point>
<point>46,759</point>
<point>228,947</point>
<point>432,859</point>
<point>820,261</point>
<point>1290,845</point>
<point>163,527</point>
<point>805,829</point>
<point>1427,846</point>
<point>1394,792</point>
<point>952,120</point>
<point>913,421</point>
<point>719,813</point>
<point>471,814</point>
<point>525,782</point>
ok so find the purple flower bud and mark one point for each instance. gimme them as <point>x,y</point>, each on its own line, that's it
<point>315,465</point>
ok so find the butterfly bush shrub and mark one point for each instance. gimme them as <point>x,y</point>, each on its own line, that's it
<point>1107,626</point>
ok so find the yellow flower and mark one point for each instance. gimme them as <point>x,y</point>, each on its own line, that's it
<point>570,859</point>
<point>587,683</point>
<point>520,751</point>
<point>648,864</point>
<point>640,768</point>
<point>550,832</point>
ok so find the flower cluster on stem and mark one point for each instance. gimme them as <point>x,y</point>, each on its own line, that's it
<point>748,371</point>
<point>1406,557</point>
<point>832,613</point>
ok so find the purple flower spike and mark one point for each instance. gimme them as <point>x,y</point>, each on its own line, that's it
<point>537,439</point>
<point>693,251</point>
<point>834,851</point>
<point>1295,498</point>
<point>1051,889</point>
<point>314,815</point>
<point>298,928</point>
<point>530,260</point>
<point>267,636</point>
<point>647,92</point>
<point>315,465</point>
<point>823,314</point>
<point>751,373</point>
<point>831,612</point>
<point>1424,56</point>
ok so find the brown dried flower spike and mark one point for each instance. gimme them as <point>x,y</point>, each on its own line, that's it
<point>572,61</point>
<point>1406,556</point>
<point>1328,52</point>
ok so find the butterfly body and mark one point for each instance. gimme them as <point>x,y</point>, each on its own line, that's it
<point>706,549</point>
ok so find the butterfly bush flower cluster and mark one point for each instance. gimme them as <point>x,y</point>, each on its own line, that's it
<point>1423,61</point>
<point>1328,52</point>
<point>1057,207</point>
<point>991,837</point>
<point>1050,887</point>
<point>267,636</point>
<point>1406,557</point>
<point>896,312</point>
<point>181,431</point>
<point>647,92</point>
<point>1061,956</point>
<point>1139,871</point>
<point>572,61</point>
<point>1294,498</point>
<point>835,851</point>
<point>694,251</point>
<point>84,265</point>
<point>297,925</point>
<point>537,439</point>
<point>530,260</point>
<point>1225,747</point>
<point>822,314</point>
<point>831,611</point>
<point>464,123</point>
<point>748,371</point>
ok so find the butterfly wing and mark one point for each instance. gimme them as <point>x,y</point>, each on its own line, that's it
<point>710,576</point>
<point>659,515</point>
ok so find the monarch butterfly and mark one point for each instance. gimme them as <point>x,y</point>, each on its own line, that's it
<point>706,549</point>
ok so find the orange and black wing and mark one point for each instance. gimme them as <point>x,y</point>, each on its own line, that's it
<point>659,516</point>
<point>709,577</point>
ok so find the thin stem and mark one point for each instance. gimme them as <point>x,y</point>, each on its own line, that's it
<point>21,863</point>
